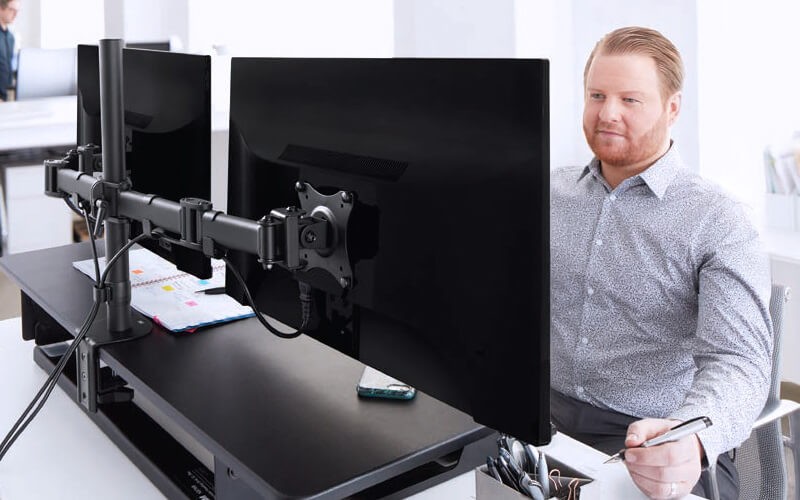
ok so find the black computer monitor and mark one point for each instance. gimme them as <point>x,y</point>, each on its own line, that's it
<point>167,99</point>
<point>449,235</point>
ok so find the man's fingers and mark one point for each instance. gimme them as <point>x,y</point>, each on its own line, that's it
<point>648,428</point>
<point>663,455</point>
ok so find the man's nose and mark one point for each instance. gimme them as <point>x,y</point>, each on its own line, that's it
<point>610,111</point>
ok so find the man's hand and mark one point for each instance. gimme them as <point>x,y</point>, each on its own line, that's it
<point>669,470</point>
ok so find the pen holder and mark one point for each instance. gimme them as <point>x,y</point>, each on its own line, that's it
<point>562,487</point>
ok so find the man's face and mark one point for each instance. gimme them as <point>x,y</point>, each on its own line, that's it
<point>8,14</point>
<point>625,119</point>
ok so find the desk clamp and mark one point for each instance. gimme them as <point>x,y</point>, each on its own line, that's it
<point>89,379</point>
<point>100,385</point>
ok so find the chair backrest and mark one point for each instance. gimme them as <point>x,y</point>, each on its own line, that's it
<point>46,73</point>
<point>760,460</point>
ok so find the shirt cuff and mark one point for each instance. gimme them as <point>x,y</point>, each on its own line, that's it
<point>711,439</point>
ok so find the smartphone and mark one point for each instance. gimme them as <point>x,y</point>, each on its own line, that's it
<point>376,384</point>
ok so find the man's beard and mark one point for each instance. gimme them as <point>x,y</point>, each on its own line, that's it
<point>626,153</point>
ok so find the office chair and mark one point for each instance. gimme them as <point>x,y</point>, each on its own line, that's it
<point>761,460</point>
<point>46,73</point>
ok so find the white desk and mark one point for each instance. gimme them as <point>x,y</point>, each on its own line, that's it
<point>62,454</point>
<point>31,125</point>
<point>37,123</point>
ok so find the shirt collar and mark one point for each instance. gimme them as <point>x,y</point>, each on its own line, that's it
<point>657,176</point>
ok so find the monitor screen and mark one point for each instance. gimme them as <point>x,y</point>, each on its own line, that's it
<point>167,99</point>
<point>448,238</point>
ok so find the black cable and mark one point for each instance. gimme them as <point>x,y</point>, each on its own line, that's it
<point>305,298</point>
<point>52,380</point>
<point>110,263</point>
<point>68,200</point>
<point>48,386</point>
<point>94,244</point>
<point>13,434</point>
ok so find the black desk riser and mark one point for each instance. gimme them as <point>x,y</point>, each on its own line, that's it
<point>281,417</point>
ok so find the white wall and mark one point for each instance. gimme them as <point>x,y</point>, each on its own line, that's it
<point>66,24</point>
<point>749,78</point>
<point>544,30</point>
<point>56,24</point>
<point>156,20</point>
<point>300,28</point>
<point>147,20</point>
<point>27,25</point>
<point>454,28</point>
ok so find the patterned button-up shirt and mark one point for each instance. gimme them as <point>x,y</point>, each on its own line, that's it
<point>660,299</point>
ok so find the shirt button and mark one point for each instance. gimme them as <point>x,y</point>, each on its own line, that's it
<point>613,197</point>
<point>584,340</point>
<point>590,291</point>
<point>598,242</point>
<point>579,389</point>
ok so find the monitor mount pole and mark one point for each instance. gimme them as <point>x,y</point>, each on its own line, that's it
<point>120,324</point>
<point>117,229</point>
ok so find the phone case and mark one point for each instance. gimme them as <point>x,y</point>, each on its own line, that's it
<point>376,384</point>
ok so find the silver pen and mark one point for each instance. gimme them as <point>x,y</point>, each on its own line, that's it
<point>677,433</point>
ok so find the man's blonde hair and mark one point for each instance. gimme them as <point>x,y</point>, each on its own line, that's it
<point>647,42</point>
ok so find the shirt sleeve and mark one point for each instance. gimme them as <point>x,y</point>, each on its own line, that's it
<point>734,339</point>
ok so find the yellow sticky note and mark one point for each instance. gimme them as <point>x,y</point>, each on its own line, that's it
<point>167,288</point>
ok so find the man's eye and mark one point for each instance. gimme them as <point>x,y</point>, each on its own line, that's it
<point>631,100</point>
<point>596,96</point>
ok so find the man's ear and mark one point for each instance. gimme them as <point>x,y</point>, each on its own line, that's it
<point>674,107</point>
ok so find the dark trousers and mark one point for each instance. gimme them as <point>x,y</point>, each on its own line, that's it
<point>605,430</point>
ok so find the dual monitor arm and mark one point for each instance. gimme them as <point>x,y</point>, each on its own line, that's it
<point>312,236</point>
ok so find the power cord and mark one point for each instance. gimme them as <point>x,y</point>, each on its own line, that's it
<point>85,210</point>
<point>52,380</point>
<point>306,301</point>
<point>27,416</point>
<point>68,200</point>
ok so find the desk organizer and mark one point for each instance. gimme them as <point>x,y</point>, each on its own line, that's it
<point>488,488</point>
<point>782,211</point>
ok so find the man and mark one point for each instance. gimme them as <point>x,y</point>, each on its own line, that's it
<point>8,11</point>
<point>660,294</point>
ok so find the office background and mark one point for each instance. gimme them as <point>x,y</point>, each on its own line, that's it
<point>740,92</point>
